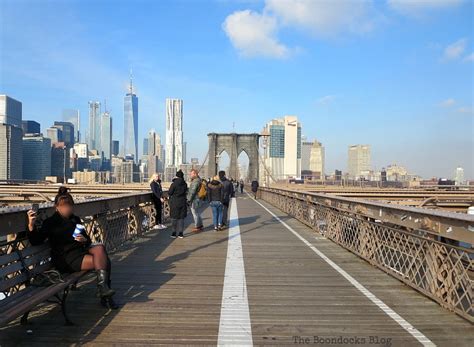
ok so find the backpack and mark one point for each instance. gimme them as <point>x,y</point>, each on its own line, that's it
<point>202,192</point>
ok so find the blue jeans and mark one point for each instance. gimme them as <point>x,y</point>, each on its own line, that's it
<point>217,209</point>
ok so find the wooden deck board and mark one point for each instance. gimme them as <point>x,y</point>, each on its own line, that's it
<point>171,293</point>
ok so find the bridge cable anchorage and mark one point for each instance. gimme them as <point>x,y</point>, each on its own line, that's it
<point>379,303</point>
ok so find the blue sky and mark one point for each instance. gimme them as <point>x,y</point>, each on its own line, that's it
<point>395,74</point>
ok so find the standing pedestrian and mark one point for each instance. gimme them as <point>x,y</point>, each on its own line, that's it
<point>228,188</point>
<point>157,197</point>
<point>193,199</point>
<point>241,186</point>
<point>177,202</point>
<point>215,195</point>
<point>255,188</point>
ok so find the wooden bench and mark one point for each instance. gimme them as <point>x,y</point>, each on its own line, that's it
<point>17,268</point>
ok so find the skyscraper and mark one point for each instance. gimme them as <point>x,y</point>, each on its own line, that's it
<point>36,157</point>
<point>106,135</point>
<point>312,159</point>
<point>130,126</point>
<point>283,154</point>
<point>155,151</point>
<point>94,123</point>
<point>459,176</point>
<point>68,131</point>
<point>30,127</point>
<point>73,116</point>
<point>174,132</point>
<point>358,163</point>
<point>10,111</point>
<point>115,147</point>
<point>55,134</point>
<point>11,144</point>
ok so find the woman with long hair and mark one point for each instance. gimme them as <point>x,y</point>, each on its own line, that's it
<point>71,247</point>
<point>178,204</point>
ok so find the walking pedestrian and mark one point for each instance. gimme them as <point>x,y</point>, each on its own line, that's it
<point>215,195</point>
<point>255,188</point>
<point>241,186</point>
<point>178,206</point>
<point>229,192</point>
<point>193,199</point>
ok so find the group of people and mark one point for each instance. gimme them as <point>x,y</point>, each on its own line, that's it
<point>217,191</point>
<point>72,249</point>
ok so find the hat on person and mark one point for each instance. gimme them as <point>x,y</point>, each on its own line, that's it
<point>180,174</point>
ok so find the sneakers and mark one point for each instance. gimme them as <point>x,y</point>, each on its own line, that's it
<point>197,229</point>
<point>173,235</point>
<point>159,226</point>
<point>181,236</point>
<point>216,229</point>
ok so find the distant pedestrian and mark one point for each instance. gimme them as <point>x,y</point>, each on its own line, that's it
<point>177,202</point>
<point>157,197</point>
<point>241,186</point>
<point>254,188</point>
<point>228,194</point>
<point>215,196</point>
<point>194,201</point>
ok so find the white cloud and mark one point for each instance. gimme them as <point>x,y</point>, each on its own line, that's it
<point>254,34</point>
<point>447,102</point>
<point>325,100</point>
<point>470,57</point>
<point>324,17</point>
<point>417,7</point>
<point>455,50</point>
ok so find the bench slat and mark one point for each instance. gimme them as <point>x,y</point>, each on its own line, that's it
<point>10,268</point>
<point>8,258</point>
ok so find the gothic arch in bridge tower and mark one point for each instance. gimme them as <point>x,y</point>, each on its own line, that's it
<point>233,144</point>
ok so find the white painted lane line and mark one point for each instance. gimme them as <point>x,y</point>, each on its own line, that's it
<point>391,313</point>
<point>234,327</point>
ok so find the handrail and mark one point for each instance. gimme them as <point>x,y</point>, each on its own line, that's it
<point>411,244</point>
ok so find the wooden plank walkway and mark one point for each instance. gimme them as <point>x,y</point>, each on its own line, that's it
<point>171,293</point>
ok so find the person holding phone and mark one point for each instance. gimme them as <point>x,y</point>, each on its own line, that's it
<point>71,247</point>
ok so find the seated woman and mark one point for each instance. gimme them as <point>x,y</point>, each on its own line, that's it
<point>69,253</point>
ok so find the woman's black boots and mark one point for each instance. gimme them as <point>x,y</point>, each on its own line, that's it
<point>103,289</point>
<point>109,302</point>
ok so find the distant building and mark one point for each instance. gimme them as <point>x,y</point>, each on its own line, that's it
<point>11,139</point>
<point>359,161</point>
<point>73,116</point>
<point>115,147</point>
<point>60,160</point>
<point>30,127</point>
<point>283,153</point>
<point>89,177</point>
<point>396,173</point>
<point>122,170</point>
<point>36,157</point>
<point>174,132</point>
<point>185,148</point>
<point>106,136</point>
<point>67,130</point>
<point>94,125</point>
<point>11,152</point>
<point>10,111</point>
<point>130,116</point>
<point>145,146</point>
<point>55,134</point>
<point>312,159</point>
<point>155,153</point>
<point>459,176</point>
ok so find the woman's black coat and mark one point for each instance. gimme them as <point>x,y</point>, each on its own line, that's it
<point>177,194</point>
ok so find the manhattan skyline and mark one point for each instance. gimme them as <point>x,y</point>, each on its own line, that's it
<point>395,76</point>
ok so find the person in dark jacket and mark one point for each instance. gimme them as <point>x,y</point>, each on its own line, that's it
<point>215,196</point>
<point>157,196</point>
<point>229,192</point>
<point>178,204</point>
<point>241,185</point>
<point>71,253</point>
<point>254,188</point>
